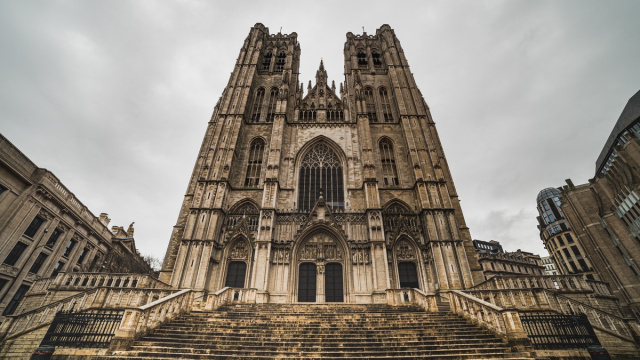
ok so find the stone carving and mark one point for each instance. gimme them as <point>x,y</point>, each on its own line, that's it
<point>240,250</point>
<point>320,247</point>
<point>404,250</point>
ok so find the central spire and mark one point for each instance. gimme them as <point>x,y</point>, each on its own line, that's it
<point>321,74</point>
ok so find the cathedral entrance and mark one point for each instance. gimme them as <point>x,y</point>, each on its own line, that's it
<point>320,277</point>
<point>333,283</point>
<point>307,283</point>
<point>236,274</point>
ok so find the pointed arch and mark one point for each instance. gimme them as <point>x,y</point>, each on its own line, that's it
<point>266,60</point>
<point>376,59</point>
<point>396,214</point>
<point>388,160</point>
<point>320,169</point>
<point>254,162</point>
<point>257,105</point>
<point>362,58</point>
<point>406,255</point>
<point>281,60</point>
<point>238,260</point>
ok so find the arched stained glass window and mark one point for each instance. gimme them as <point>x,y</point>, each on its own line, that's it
<point>370,104</point>
<point>386,105</point>
<point>271,109</point>
<point>320,170</point>
<point>254,166</point>
<point>389,172</point>
<point>257,105</point>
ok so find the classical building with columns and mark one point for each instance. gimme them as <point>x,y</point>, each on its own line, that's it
<point>329,194</point>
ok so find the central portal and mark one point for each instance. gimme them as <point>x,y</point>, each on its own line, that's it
<point>320,261</point>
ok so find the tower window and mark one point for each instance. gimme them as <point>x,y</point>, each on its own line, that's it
<point>257,105</point>
<point>362,59</point>
<point>53,238</point>
<point>370,105</point>
<point>15,300</point>
<point>280,61</point>
<point>386,105</point>
<point>38,263</point>
<point>271,108</point>
<point>254,167</point>
<point>70,246</point>
<point>377,61</point>
<point>266,61</point>
<point>389,172</point>
<point>320,171</point>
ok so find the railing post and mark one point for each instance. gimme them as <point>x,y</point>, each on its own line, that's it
<point>126,333</point>
<point>516,335</point>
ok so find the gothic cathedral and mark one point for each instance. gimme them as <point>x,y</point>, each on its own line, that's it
<point>324,195</point>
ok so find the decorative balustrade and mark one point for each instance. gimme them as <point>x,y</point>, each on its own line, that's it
<point>137,322</point>
<point>99,298</point>
<point>503,322</point>
<point>412,296</point>
<point>523,299</point>
<point>77,280</point>
<point>573,283</point>
<point>229,295</point>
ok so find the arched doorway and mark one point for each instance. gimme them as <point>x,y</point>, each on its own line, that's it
<point>320,277</point>
<point>333,283</point>
<point>307,282</point>
<point>236,274</point>
<point>406,256</point>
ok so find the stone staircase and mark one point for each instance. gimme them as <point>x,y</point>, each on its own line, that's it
<point>335,331</point>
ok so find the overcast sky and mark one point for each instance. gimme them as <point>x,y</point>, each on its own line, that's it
<point>114,96</point>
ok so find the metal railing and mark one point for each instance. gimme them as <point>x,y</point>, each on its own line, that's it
<point>87,329</point>
<point>559,331</point>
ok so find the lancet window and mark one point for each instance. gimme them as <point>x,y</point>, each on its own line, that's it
<point>271,109</point>
<point>370,104</point>
<point>362,59</point>
<point>266,61</point>
<point>257,105</point>
<point>389,172</point>
<point>386,105</point>
<point>320,172</point>
<point>377,60</point>
<point>254,166</point>
<point>280,61</point>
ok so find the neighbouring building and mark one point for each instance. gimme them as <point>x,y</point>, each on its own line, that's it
<point>604,213</point>
<point>45,229</point>
<point>558,237</point>
<point>549,266</point>
<point>495,261</point>
<point>330,195</point>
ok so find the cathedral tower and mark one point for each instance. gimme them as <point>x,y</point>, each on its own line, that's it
<point>323,195</point>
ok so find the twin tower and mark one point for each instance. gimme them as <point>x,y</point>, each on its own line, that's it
<point>321,194</point>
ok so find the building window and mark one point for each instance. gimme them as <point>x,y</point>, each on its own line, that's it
<point>38,263</point>
<point>3,282</point>
<point>266,61</point>
<point>2,189</point>
<point>377,59</point>
<point>257,105</point>
<point>53,238</point>
<point>70,246</point>
<point>271,108</point>
<point>34,226</point>
<point>83,254</point>
<point>370,105</point>
<point>57,269</point>
<point>320,171</point>
<point>389,172</point>
<point>386,105</point>
<point>362,59</point>
<point>254,167</point>
<point>280,61</point>
<point>15,300</point>
<point>15,253</point>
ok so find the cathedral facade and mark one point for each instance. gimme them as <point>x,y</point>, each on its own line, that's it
<point>323,194</point>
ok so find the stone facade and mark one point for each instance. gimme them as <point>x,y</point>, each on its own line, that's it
<point>549,265</point>
<point>604,213</point>
<point>495,261</point>
<point>343,191</point>
<point>45,229</point>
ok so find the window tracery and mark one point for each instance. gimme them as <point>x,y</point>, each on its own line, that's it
<point>377,60</point>
<point>280,61</point>
<point>370,105</point>
<point>320,171</point>
<point>266,61</point>
<point>362,59</point>
<point>257,105</point>
<point>247,211</point>
<point>254,164</point>
<point>386,105</point>
<point>387,158</point>
<point>271,108</point>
